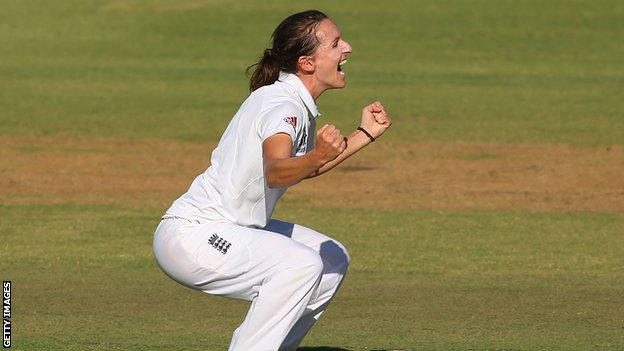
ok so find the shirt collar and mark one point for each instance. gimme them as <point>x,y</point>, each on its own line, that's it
<point>301,90</point>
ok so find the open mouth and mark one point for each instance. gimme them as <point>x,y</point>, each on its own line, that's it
<point>340,65</point>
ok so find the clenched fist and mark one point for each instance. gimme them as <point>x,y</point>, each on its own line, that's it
<point>375,119</point>
<point>329,143</point>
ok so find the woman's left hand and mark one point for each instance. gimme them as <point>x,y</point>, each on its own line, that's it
<point>375,119</point>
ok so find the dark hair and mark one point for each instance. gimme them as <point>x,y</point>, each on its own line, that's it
<point>293,38</point>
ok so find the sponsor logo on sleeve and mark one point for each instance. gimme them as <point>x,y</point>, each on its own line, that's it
<point>292,120</point>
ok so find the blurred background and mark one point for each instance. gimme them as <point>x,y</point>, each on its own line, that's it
<point>489,217</point>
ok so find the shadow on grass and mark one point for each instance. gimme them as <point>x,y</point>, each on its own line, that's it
<point>327,348</point>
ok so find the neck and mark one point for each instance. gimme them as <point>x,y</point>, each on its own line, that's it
<point>311,84</point>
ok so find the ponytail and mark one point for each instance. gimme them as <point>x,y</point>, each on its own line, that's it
<point>293,38</point>
<point>266,70</point>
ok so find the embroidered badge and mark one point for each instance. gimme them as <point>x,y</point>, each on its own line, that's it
<point>219,243</point>
<point>292,120</point>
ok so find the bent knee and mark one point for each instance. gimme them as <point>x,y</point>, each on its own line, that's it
<point>316,267</point>
<point>312,262</point>
<point>306,261</point>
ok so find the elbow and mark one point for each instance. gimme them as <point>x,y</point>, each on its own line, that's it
<point>272,180</point>
<point>277,183</point>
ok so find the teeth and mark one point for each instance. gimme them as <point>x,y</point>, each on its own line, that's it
<point>343,62</point>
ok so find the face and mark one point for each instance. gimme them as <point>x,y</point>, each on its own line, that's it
<point>327,59</point>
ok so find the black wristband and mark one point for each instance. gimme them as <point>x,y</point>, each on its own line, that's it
<point>367,133</point>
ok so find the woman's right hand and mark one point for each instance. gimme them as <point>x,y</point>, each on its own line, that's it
<point>329,143</point>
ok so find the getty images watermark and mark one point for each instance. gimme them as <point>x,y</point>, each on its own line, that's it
<point>6,314</point>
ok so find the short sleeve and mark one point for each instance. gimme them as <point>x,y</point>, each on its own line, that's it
<point>283,118</point>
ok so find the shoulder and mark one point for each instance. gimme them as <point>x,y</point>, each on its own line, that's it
<point>277,97</point>
<point>280,113</point>
<point>270,100</point>
<point>284,107</point>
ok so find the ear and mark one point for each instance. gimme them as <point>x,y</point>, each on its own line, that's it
<point>306,64</point>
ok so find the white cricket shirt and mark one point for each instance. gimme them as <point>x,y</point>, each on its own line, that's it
<point>234,188</point>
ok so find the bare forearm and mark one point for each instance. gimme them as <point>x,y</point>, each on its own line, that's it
<point>375,121</point>
<point>286,172</point>
<point>331,149</point>
<point>355,141</point>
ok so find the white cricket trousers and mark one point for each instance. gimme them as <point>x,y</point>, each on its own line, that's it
<point>288,272</point>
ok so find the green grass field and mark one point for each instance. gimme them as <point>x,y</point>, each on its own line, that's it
<point>504,73</point>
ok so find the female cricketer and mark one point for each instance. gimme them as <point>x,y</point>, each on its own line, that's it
<point>219,237</point>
